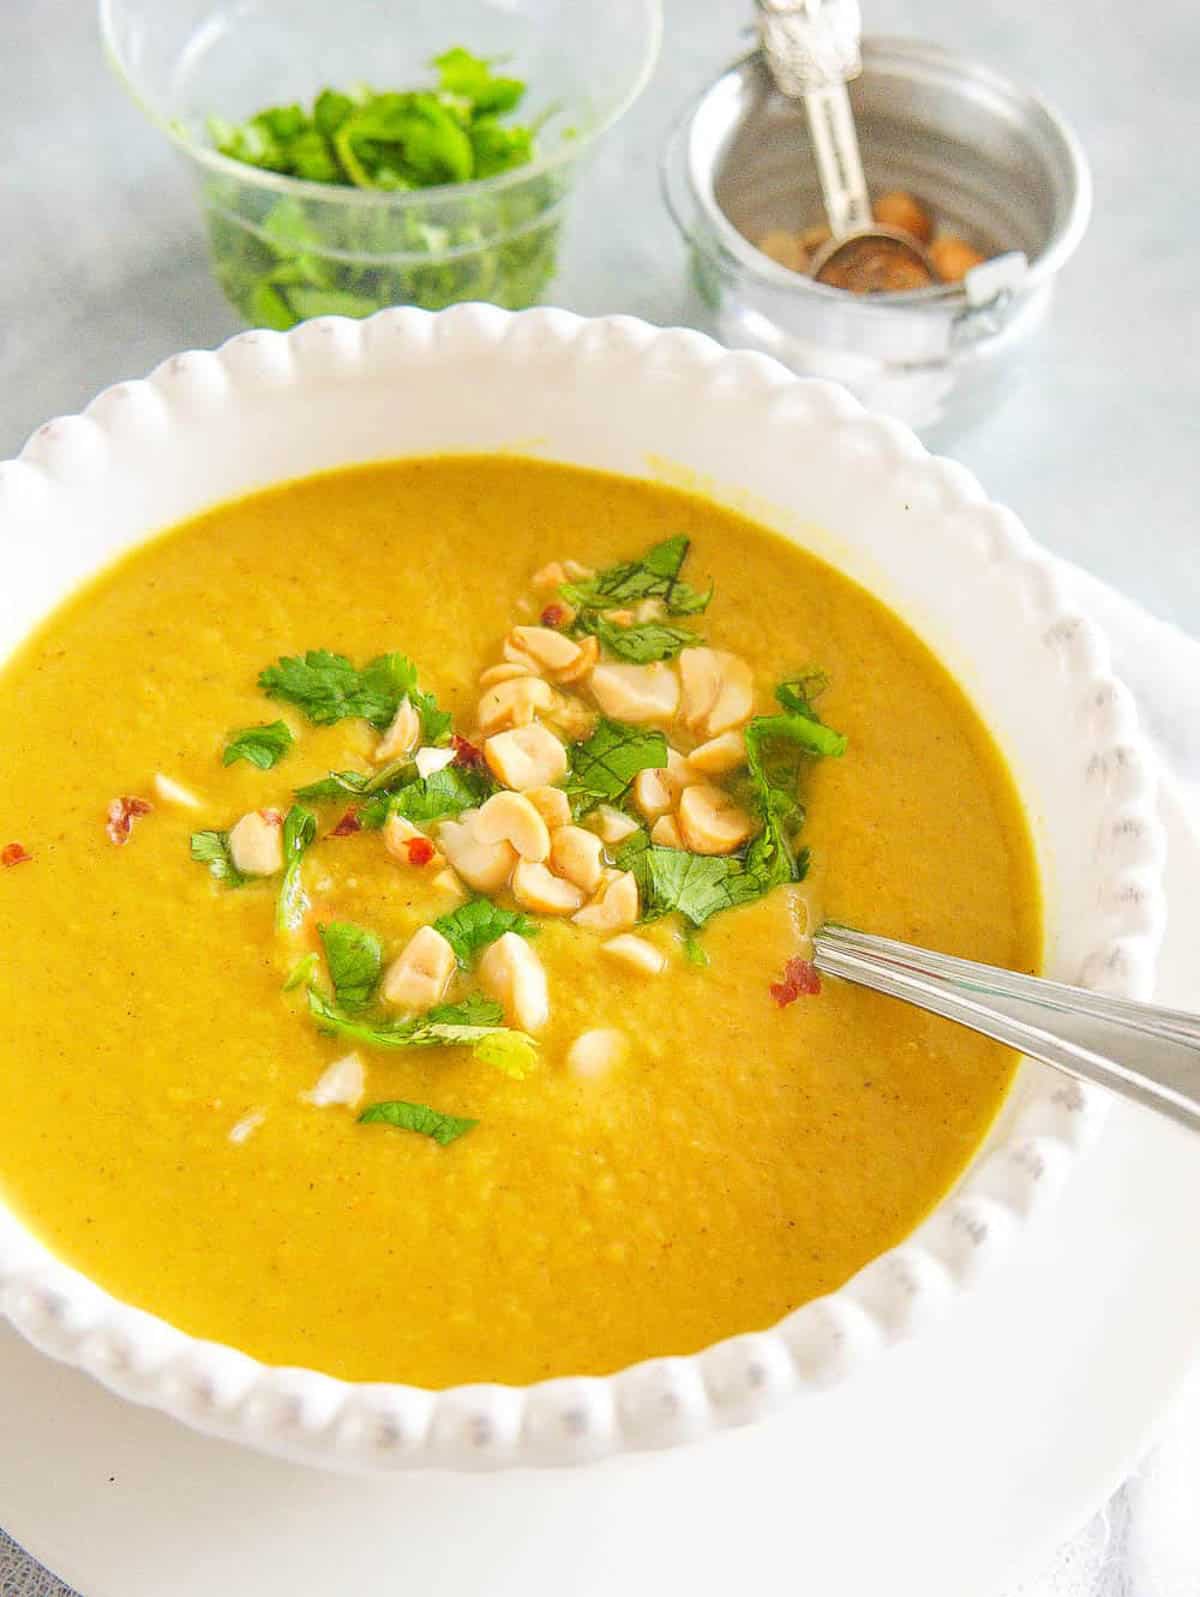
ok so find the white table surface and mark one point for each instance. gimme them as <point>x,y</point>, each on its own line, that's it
<point>103,273</point>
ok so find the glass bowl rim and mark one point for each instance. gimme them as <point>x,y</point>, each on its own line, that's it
<point>298,188</point>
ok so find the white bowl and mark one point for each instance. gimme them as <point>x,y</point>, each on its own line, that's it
<point>801,456</point>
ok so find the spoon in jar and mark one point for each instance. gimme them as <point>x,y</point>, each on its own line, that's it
<point>1140,1051</point>
<point>812,50</point>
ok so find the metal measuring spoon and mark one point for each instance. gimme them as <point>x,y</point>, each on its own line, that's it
<point>812,50</point>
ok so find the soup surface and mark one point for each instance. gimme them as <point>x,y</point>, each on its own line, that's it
<point>726,1156</point>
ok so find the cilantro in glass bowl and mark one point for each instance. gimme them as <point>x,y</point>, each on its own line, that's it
<point>361,155</point>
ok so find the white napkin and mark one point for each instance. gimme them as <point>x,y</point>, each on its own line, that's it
<point>1146,1542</point>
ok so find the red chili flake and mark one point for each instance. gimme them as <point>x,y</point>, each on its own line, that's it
<point>14,854</point>
<point>800,980</point>
<point>465,753</point>
<point>554,615</point>
<point>420,851</point>
<point>348,824</point>
<point>122,813</point>
<point>272,817</point>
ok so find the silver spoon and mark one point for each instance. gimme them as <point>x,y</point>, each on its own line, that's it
<point>1140,1051</point>
<point>812,50</point>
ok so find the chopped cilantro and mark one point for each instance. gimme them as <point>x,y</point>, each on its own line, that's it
<point>355,959</point>
<point>328,688</point>
<point>605,765</point>
<point>699,885</point>
<point>443,1129</point>
<point>471,927</point>
<point>299,829</point>
<point>359,784</point>
<point>693,952</point>
<point>311,260</point>
<point>212,849</point>
<point>303,973</point>
<point>446,1026</point>
<point>641,643</point>
<point>263,746</point>
<point>654,576</point>
<point>445,792</point>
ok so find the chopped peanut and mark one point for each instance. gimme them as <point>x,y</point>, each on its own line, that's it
<point>665,832</point>
<point>504,672</point>
<point>511,818</point>
<point>718,690</point>
<point>401,737</point>
<point>418,978</point>
<point>611,825</point>
<point>172,792</point>
<point>484,866</point>
<point>619,618</point>
<point>515,655</point>
<point>579,856</point>
<point>594,1053</point>
<point>343,1082</point>
<point>256,845</point>
<point>615,906</point>
<point>552,650</point>
<point>551,576</point>
<point>711,822</point>
<point>648,610</point>
<point>576,572</point>
<point>551,803</point>
<point>735,700</point>
<point>651,793</point>
<point>398,834</point>
<point>700,678</point>
<point>589,655</point>
<point>572,717</point>
<point>528,756</point>
<point>639,694</point>
<point>512,973</point>
<point>719,754</point>
<point>536,888</point>
<point>513,703</point>
<point>429,760</point>
<point>637,953</point>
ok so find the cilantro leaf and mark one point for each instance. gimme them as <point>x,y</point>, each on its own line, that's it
<point>355,959</point>
<point>303,973</point>
<point>605,764</point>
<point>473,1010</point>
<point>697,886</point>
<point>359,784</point>
<point>299,829</point>
<point>641,643</point>
<point>212,849</point>
<point>446,1026</point>
<point>472,926</point>
<point>798,693</point>
<point>328,689</point>
<point>470,77</point>
<point>809,735</point>
<point>654,576</point>
<point>443,1129</point>
<point>694,952</point>
<point>445,792</point>
<point>263,746</point>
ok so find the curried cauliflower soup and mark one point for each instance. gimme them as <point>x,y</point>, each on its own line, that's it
<point>405,885</point>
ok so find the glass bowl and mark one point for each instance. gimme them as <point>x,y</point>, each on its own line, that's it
<point>284,249</point>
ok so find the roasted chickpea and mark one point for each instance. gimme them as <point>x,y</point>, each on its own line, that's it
<point>953,258</point>
<point>900,210</point>
<point>785,248</point>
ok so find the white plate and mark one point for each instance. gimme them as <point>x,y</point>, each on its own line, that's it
<point>951,1467</point>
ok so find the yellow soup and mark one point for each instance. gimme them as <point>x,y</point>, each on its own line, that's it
<point>714,1159</point>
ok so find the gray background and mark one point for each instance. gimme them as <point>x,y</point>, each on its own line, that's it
<point>103,273</point>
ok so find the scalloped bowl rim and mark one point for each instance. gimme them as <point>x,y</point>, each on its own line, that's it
<point>1049,1121</point>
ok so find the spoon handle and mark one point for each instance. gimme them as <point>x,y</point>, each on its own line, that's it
<point>1141,1051</point>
